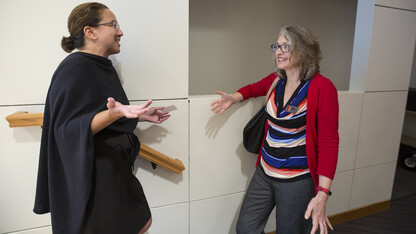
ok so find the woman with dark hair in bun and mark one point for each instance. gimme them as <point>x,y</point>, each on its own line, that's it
<point>88,147</point>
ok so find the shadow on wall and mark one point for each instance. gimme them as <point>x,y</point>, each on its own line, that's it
<point>217,122</point>
<point>154,134</point>
<point>218,127</point>
<point>27,134</point>
<point>159,171</point>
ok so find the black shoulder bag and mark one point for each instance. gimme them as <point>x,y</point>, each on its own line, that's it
<point>253,132</point>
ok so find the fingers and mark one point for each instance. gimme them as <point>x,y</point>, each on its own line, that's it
<point>329,223</point>
<point>156,111</point>
<point>323,228</point>
<point>156,119</point>
<point>140,109</point>
<point>308,211</point>
<point>111,103</point>
<point>216,106</point>
<point>216,102</point>
<point>158,108</point>
<point>219,109</point>
<point>135,113</point>
<point>131,111</point>
<point>220,93</point>
<point>316,210</point>
<point>314,227</point>
<point>163,118</point>
<point>222,99</point>
<point>323,225</point>
<point>147,103</point>
<point>215,109</point>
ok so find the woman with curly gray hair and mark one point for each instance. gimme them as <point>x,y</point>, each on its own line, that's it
<point>298,157</point>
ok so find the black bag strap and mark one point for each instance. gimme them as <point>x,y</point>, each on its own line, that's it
<point>270,90</point>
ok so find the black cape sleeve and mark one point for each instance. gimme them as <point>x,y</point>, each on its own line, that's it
<point>67,149</point>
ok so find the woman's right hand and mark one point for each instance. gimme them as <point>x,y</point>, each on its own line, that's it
<point>119,110</point>
<point>115,111</point>
<point>226,100</point>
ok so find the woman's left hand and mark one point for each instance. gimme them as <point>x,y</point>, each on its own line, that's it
<point>316,209</point>
<point>154,115</point>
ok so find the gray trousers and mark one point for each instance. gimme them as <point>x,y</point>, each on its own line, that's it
<point>290,198</point>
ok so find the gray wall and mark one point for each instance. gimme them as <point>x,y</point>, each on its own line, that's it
<point>230,40</point>
<point>413,74</point>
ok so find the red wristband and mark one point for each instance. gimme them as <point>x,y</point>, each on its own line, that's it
<point>327,191</point>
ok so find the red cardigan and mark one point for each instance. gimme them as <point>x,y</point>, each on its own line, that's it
<point>322,138</point>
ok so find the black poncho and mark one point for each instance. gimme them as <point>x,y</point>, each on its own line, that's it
<point>79,89</point>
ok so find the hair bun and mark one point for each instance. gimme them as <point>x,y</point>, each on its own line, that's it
<point>68,44</point>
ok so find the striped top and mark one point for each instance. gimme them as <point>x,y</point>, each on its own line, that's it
<point>283,154</point>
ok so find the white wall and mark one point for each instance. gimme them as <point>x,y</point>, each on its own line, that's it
<point>154,47</point>
<point>384,83</point>
<point>19,149</point>
<point>153,63</point>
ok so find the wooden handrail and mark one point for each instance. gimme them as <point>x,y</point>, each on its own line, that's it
<point>25,119</point>
<point>160,159</point>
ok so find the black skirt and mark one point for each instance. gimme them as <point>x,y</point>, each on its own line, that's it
<point>117,202</point>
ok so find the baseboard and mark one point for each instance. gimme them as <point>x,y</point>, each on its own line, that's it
<point>359,212</point>
<point>356,213</point>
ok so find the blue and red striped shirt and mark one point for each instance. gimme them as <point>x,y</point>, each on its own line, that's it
<point>283,154</point>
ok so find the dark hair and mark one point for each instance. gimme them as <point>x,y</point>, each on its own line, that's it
<point>86,14</point>
<point>305,50</point>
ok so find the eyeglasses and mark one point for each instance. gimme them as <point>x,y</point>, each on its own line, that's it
<point>113,24</point>
<point>284,48</point>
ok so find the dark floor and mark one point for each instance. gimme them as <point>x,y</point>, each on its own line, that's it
<point>399,219</point>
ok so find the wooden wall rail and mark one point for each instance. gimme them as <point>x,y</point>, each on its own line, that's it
<point>25,119</point>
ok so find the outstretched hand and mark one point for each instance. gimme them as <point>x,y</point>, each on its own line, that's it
<point>223,103</point>
<point>154,115</point>
<point>128,111</point>
<point>316,209</point>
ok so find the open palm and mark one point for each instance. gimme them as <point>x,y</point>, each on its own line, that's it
<point>128,111</point>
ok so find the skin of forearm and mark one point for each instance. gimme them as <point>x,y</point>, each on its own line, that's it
<point>102,120</point>
<point>325,182</point>
<point>237,97</point>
